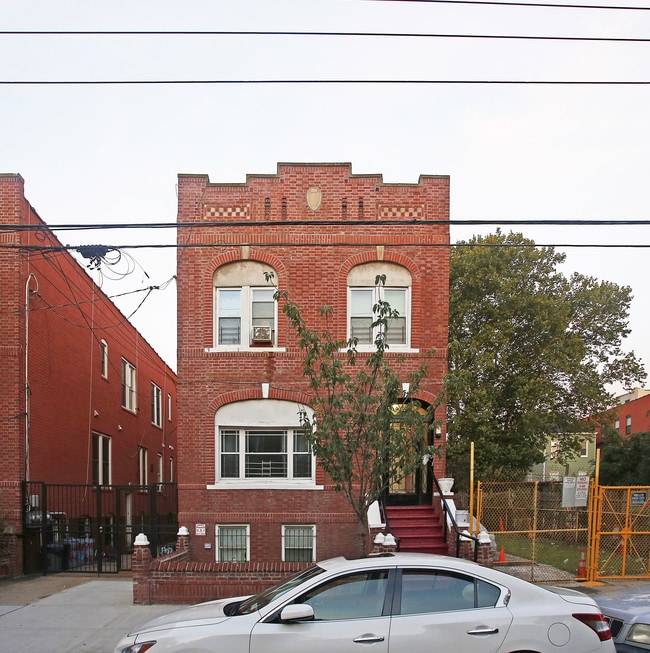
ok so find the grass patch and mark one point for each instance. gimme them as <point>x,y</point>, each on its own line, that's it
<point>543,550</point>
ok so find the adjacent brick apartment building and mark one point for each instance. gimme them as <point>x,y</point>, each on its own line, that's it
<point>249,489</point>
<point>86,401</point>
<point>631,415</point>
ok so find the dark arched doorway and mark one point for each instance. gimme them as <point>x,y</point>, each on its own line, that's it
<point>415,488</point>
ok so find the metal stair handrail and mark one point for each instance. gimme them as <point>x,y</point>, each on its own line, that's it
<point>447,513</point>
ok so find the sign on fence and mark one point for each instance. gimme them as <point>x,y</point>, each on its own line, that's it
<point>575,490</point>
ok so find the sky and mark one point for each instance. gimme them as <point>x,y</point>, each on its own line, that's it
<point>104,154</point>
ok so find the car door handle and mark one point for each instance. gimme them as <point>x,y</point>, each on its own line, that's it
<point>483,630</point>
<point>368,639</point>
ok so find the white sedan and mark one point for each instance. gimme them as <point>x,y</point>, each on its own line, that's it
<point>402,603</point>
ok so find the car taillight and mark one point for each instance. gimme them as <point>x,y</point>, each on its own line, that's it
<point>597,623</point>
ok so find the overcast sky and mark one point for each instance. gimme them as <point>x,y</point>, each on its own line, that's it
<point>108,154</point>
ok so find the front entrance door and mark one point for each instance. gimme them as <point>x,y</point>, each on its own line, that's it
<point>415,488</point>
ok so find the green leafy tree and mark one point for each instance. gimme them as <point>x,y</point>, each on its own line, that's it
<point>625,461</point>
<point>531,353</point>
<point>364,432</point>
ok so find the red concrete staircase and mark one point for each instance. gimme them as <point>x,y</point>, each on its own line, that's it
<point>417,529</point>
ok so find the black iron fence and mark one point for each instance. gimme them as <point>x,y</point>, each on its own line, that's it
<point>91,528</point>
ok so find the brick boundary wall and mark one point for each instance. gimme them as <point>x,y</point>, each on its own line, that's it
<point>176,579</point>
<point>9,554</point>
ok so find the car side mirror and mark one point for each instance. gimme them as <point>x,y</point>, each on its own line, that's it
<point>297,612</point>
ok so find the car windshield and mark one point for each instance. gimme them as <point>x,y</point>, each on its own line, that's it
<point>258,601</point>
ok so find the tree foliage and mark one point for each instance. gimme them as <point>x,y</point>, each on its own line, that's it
<point>364,432</point>
<point>531,352</point>
<point>625,461</point>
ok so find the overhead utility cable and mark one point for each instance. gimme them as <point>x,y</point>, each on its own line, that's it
<point>496,3</point>
<point>571,222</point>
<point>259,82</point>
<point>407,35</point>
<point>266,245</point>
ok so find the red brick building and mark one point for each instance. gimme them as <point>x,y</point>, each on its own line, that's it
<point>631,415</point>
<point>249,489</point>
<point>85,399</point>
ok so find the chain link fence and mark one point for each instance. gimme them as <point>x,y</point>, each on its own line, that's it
<point>537,538</point>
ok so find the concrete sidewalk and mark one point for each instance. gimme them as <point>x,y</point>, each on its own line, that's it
<point>66,613</point>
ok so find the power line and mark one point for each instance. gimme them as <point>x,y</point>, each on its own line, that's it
<point>329,243</point>
<point>409,35</point>
<point>496,3</point>
<point>468,222</point>
<point>298,82</point>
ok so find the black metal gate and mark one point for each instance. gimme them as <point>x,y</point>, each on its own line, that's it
<point>90,528</point>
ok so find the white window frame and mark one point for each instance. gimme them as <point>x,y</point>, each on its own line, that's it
<point>156,405</point>
<point>103,349</point>
<point>247,294</point>
<point>379,293</point>
<point>628,424</point>
<point>285,536</point>
<point>160,478</point>
<point>240,438</point>
<point>143,466</point>
<point>584,448</point>
<point>270,414</point>
<point>219,528</point>
<point>99,461</point>
<point>169,408</point>
<point>129,386</point>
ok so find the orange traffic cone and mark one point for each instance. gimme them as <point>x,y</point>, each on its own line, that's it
<point>502,555</point>
<point>582,566</point>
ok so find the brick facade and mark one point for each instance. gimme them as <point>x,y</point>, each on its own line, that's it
<point>54,323</point>
<point>632,415</point>
<point>354,222</point>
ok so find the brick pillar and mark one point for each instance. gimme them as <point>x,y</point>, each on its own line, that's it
<point>141,566</point>
<point>183,539</point>
<point>384,544</point>
<point>485,550</point>
<point>484,554</point>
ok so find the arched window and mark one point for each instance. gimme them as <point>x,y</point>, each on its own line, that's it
<point>363,295</point>
<point>262,443</point>
<point>245,310</point>
<point>103,350</point>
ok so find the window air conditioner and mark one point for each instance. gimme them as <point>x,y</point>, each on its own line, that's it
<point>262,334</point>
